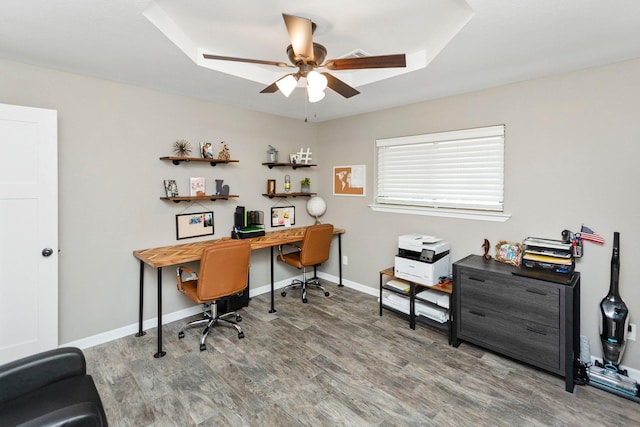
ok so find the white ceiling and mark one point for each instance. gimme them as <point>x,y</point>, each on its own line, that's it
<point>502,42</point>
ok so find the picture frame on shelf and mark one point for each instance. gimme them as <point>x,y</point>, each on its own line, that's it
<point>206,150</point>
<point>283,216</point>
<point>194,225</point>
<point>197,186</point>
<point>171,188</point>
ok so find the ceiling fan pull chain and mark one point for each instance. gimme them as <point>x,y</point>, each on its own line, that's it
<point>306,96</point>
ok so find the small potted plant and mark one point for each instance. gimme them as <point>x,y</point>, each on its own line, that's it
<point>305,186</point>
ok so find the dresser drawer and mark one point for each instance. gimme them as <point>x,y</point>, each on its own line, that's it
<point>523,298</point>
<point>528,341</point>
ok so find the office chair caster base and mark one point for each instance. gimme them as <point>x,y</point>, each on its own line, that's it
<point>304,300</point>
<point>180,335</point>
<point>284,294</point>
<point>238,318</point>
<point>203,347</point>
<point>326,294</point>
<point>241,335</point>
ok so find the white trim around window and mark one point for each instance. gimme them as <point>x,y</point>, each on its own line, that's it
<point>455,174</point>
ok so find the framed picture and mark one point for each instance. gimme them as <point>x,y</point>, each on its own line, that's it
<point>194,225</point>
<point>171,188</point>
<point>206,150</point>
<point>509,252</point>
<point>197,185</point>
<point>284,216</point>
<point>349,180</point>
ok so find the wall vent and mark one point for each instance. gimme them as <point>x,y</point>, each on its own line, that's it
<point>358,53</point>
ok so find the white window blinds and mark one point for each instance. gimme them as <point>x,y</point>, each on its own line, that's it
<point>461,169</point>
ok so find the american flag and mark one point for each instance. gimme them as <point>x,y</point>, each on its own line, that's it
<point>588,234</point>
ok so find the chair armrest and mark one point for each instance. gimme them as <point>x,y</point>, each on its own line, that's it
<point>33,372</point>
<point>281,254</point>
<point>179,271</point>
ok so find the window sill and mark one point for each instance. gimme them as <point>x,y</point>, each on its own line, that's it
<point>447,213</point>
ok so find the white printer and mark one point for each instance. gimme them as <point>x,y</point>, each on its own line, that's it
<point>422,259</point>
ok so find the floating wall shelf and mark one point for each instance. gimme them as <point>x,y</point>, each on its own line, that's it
<point>285,195</point>
<point>213,198</point>
<point>177,160</point>
<point>271,165</point>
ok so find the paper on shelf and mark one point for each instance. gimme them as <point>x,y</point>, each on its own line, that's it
<point>398,284</point>
<point>435,297</point>
<point>401,303</point>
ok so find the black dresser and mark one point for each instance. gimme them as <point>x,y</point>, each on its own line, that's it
<point>532,320</point>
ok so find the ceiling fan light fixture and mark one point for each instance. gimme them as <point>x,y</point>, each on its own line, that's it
<point>287,84</point>
<point>315,96</point>
<point>316,82</point>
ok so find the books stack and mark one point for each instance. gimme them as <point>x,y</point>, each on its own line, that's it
<point>554,256</point>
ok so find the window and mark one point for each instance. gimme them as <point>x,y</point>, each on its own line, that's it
<point>457,170</point>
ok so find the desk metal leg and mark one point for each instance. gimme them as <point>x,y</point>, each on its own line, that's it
<point>273,309</point>
<point>412,305</point>
<point>380,294</point>
<point>160,353</point>
<point>141,301</point>
<point>340,259</point>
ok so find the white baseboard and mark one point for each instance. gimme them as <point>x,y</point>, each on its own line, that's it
<point>349,284</point>
<point>181,314</point>
<point>132,329</point>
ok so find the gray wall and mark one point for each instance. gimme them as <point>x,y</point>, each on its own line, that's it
<point>571,146</point>
<point>111,179</point>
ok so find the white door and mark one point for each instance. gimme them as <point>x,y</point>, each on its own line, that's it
<point>28,231</point>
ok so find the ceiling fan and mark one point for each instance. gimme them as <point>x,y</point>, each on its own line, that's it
<point>308,57</point>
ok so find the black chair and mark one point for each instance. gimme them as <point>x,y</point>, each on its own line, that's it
<point>49,389</point>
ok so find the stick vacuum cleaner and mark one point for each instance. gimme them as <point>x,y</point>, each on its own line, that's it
<point>613,332</point>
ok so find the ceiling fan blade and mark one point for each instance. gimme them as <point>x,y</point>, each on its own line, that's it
<point>301,35</point>
<point>383,61</point>
<point>251,61</point>
<point>339,86</point>
<point>273,87</point>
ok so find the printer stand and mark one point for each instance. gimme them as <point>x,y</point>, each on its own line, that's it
<point>413,295</point>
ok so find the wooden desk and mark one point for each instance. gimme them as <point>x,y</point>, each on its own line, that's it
<point>188,252</point>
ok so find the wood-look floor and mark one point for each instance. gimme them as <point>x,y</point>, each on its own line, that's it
<point>333,361</point>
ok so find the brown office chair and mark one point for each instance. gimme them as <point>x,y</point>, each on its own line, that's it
<point>314,250</point>
<point>224,273</point>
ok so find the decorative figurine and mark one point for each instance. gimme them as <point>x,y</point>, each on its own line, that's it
<point>486,246</point>
<point>224,153</point>
<point>182,148</point>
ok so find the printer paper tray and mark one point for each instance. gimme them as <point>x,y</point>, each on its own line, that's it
<point>401,304</point>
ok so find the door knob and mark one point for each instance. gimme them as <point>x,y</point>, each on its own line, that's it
<point>47,252</point>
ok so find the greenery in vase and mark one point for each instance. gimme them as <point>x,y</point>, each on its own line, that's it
<point>306,182</point>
